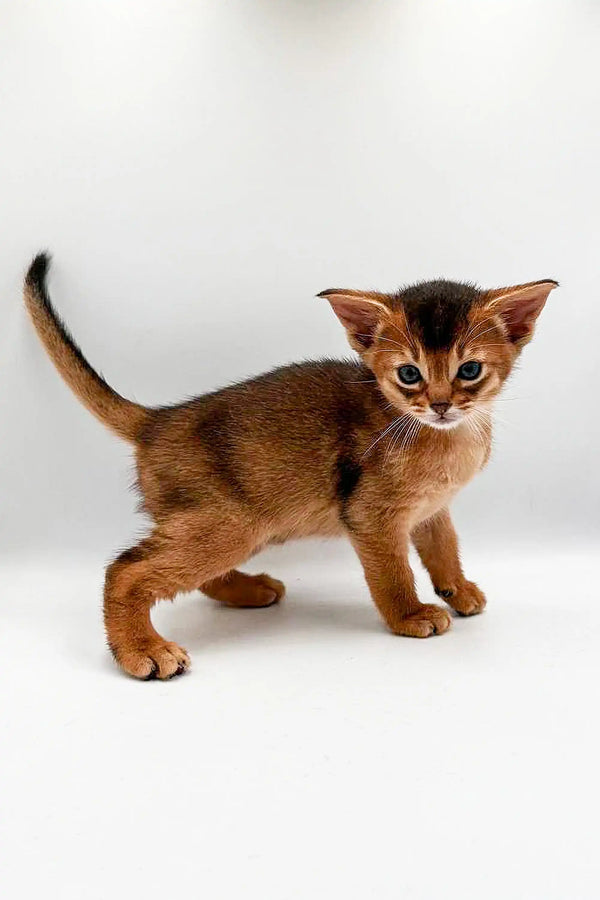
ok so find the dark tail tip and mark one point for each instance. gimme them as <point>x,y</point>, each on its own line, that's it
<point>36,273</point>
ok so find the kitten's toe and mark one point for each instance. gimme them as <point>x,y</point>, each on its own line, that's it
<point>150,660</point>
<point>466,599</point>
<point>271,589</point>
<point>427,621</point>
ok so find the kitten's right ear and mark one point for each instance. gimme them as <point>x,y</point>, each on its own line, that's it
<point>359,313</point>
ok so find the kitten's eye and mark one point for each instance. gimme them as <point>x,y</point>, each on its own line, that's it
<point>409,374</point>
<point>469,370</point>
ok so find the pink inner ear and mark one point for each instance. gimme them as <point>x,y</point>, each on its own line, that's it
<point>520,309</point>
<point>520,318</point>
<point>359,317</point>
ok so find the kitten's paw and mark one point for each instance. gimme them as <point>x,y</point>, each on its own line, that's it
<point>260,590</point>
<point>153,659</point>
<point>246,591</point>
<point>429,619</point>
<point>467,599</point>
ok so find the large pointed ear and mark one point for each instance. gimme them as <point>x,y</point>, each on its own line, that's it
<point>520,306</point>
<point>360,314</point>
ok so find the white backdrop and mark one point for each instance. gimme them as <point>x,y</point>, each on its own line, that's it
<point>201,170</point>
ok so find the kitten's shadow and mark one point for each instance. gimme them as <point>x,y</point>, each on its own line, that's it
<point>323,607</point>
<point>198,622</point>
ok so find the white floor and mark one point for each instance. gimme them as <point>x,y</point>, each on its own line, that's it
<point>309,753</point>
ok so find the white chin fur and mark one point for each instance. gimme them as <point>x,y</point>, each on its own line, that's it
<point>443,424</point>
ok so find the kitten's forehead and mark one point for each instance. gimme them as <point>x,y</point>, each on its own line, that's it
<point>437,312</point>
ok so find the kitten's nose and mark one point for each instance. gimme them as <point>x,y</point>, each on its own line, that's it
<point>440,407</point>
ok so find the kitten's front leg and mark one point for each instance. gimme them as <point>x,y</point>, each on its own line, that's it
<point>384,558</point>
<point>437,545</point>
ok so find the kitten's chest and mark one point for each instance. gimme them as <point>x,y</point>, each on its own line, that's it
<point>433,473</point>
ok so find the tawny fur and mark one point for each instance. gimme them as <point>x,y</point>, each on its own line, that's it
<point>320,448</point>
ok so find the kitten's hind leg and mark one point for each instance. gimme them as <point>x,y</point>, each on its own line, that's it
<point>186,550</point>
<point>244,591</point>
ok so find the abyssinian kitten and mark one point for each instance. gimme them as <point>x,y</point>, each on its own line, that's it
<point>374,449</point>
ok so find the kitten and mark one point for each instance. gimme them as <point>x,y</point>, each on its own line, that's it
<point>374,449</point>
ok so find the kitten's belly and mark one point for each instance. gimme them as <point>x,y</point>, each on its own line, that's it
<point>318,521</point>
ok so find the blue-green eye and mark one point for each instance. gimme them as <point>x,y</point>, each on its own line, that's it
<point>469,371</point>
<point>409,374</point>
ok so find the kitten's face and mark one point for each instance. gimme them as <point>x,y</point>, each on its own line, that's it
<point>439,387</point>
<point>441,351</point>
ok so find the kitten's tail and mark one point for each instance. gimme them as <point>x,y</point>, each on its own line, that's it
<point>123,416</point>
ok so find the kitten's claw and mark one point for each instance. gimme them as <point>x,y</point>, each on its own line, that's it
<point>427,621</point>
<point>153,660</point>
<point>466,599</point>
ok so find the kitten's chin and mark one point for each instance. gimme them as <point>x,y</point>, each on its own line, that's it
<point>452,420</point>
<point>444,424</point>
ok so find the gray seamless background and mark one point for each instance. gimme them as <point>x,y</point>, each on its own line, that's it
<point>200,171</point>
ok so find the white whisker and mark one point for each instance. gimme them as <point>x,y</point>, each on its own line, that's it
<point>476,326</point>
<point>402,427</point>
<point>413,343</point>
<point>382,435</point>
<point>476,429</point>
<point>390,341</point>
<point>389,350</point>
<point>478,335</point>
<point>404,437</point>
<point>408,437</point>
<point>483,421</point>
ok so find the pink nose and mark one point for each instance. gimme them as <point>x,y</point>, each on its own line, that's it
<point>440,407</point>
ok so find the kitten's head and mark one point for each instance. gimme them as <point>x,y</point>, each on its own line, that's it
<point>440,350</point>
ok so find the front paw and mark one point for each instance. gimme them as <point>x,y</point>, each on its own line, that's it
<point>465,598</point>
<point>427,620</point>
<point>150,659</point>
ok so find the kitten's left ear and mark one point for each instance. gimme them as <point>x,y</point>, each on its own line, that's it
<point>520,306</point>
<point>360,314</point>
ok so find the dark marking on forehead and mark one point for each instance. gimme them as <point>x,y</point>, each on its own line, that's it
<point>437,311</point>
